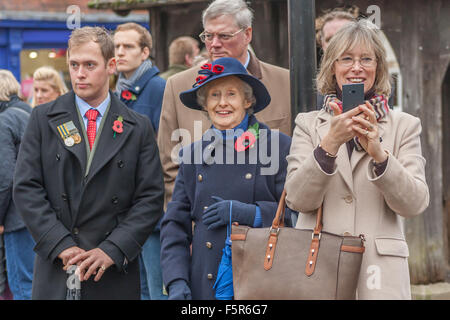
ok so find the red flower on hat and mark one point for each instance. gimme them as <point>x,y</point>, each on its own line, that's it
<point>200,79</point>
<point>206,66</point>
<point>218,69</point>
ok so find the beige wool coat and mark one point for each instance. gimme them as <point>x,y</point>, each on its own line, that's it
<point>355,200</point>
<point>175,115</point>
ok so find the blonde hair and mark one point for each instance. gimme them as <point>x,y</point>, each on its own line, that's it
<point>8,85</point>
<point>52,77</point>
<point>364,33</point>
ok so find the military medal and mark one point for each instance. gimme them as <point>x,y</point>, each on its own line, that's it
<point>69,141</point>
<point>69,133</point>
<point>76,138</point>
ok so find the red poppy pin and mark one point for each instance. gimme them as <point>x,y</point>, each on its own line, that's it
<point>247,139</point>
<point>118,126</point>
<point>127,95</point>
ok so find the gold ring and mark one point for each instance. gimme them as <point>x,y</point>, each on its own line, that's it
<point>103,268</point>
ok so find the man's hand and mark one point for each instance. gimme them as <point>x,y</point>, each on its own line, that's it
<point>90,262</point>
<point>68,254</point>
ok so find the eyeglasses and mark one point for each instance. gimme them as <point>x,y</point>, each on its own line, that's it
<point>349,61</point>
<point>209,37</point>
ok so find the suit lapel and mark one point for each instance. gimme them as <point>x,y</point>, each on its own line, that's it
<point>342,160</point>
<point>64,111</point>
<point>108,145</point>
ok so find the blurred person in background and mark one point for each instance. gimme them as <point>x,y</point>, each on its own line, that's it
<point>182,54</point>
<point>47,86</point>
<point>141,88</point>
<point>18,243</point>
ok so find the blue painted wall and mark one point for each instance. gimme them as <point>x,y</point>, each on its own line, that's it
<point>16,35</point>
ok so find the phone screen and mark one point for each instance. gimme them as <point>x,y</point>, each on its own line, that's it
<point>352,95</point>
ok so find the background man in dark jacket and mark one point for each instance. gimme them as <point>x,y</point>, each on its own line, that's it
<point>142,90</point>
<point>88,181</point>
<point>18,243</point>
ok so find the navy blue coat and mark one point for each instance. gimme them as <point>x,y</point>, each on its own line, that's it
<point>149,92</point>
<point>194,186</point>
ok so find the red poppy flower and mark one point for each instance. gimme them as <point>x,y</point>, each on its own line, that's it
<point>246,140</point>
<point>118,126</point>
<point>206,66</point>
<point>200,79</point>
<point>218,69</point>
<point>127,95</point>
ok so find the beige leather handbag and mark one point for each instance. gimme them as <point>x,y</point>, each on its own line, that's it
<point>286,263</point>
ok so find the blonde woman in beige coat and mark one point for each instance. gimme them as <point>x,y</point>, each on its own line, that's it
<point>364,165</point>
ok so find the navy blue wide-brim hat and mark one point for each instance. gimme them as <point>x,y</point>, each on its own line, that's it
<point>224,67</point>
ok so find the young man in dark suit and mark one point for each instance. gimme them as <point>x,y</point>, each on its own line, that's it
<point>88,181</point>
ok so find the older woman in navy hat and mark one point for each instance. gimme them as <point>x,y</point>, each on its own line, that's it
<point>235,173</point>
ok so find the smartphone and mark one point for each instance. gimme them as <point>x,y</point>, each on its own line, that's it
<point>352,95</point>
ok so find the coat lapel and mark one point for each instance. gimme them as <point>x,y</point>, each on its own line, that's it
<point>342,160</point>
<point>62,111</point>
<point>108,146</point>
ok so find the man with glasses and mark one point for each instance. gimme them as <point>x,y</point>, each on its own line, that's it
<point>227,33</point>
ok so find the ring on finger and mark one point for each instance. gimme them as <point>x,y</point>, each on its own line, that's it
<point>103,268</point>
<point>366,133</point>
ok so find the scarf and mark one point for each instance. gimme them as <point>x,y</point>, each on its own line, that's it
<point>126,84</point>
<point>379,102</point>
<point>243,125</point>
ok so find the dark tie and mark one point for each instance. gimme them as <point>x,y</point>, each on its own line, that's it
<point>91,115</point>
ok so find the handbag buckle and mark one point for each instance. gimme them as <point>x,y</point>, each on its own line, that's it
<point>320,235</point>
<point>272,230</point>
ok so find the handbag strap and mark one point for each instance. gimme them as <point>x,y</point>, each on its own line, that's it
<point>278,222</point>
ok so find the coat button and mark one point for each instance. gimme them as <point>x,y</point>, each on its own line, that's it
<point>348,199</point>
<point>210,276</point>
<point>120,164</point>
<point>58,156</point>
<point>208,245</point>
<point>205,207</point>
<point>200,178</point>
<point>248,176</point>
<point>75,231</point>
<point>137,88</point>
<point>115,200</point>
<point>64,196</point>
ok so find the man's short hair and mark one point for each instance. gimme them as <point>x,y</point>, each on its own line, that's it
<point>98,35</point>
<point>145,38</point>
<point>180,47</point>
<point>238,9</point>
<point>335,14</point>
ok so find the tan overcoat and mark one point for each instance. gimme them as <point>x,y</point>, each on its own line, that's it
<point>355,200</point>
<point>175,115</point>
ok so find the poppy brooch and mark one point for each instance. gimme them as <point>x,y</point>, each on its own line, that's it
<point>118,126</point>
<point>247,139</point>
<point>127,95</point>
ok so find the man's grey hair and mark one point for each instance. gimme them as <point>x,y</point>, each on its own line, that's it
<point>238,9</point>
